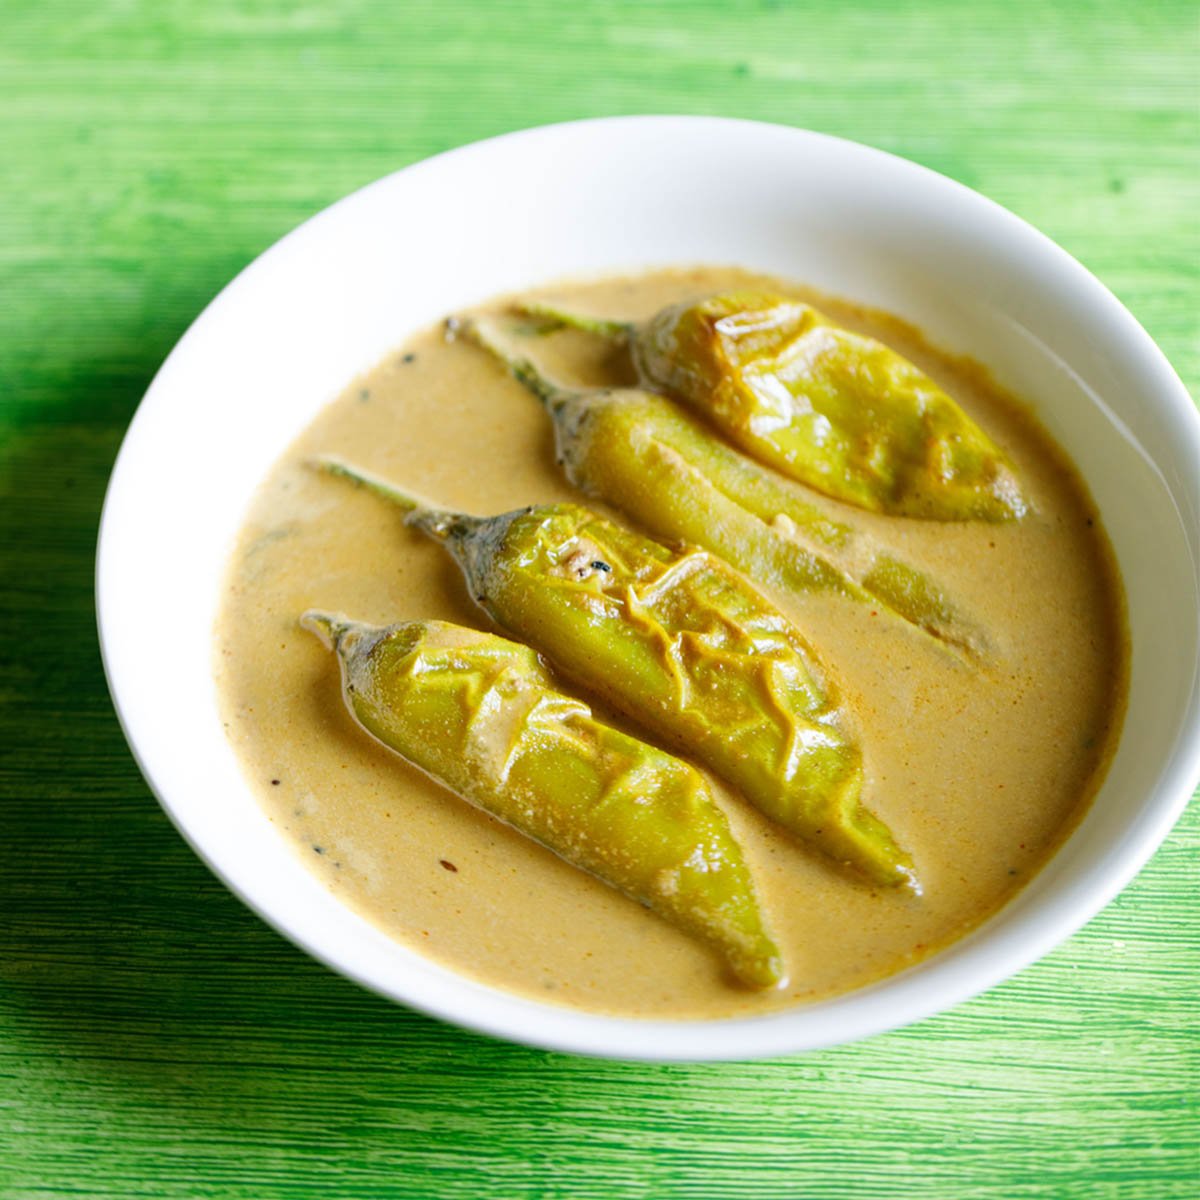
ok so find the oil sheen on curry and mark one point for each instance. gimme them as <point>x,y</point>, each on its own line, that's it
<point>756,690</point>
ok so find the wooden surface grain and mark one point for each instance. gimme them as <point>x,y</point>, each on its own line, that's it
<point>156,1040</point>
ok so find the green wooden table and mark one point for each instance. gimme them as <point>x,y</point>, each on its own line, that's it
<point>156,1040</point>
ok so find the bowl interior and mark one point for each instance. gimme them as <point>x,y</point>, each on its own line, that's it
<point>331,298</point>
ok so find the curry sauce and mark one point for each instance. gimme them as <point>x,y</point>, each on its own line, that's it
<point>979,766</point>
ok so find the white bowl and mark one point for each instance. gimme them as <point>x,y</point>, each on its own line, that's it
<point>601,196</point>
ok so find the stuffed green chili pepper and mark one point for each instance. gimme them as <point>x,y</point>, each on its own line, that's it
<point>837,411</point>
<point>481,716</point>
<point>680,642</point>
<point>644,455</point>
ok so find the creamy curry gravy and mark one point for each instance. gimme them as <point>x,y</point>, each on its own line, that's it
<point>979,770</point>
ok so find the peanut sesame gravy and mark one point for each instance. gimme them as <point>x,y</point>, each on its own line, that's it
<point>980,770</point>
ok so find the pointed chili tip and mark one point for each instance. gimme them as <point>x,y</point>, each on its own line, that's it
<point>763,969</point>
<point>779,973</point>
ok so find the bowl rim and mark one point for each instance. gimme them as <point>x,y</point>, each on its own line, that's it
<point>648,1039</point>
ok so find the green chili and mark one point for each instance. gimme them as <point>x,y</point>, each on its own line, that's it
<point>835,410</point>
<point>481,715</point>
<point>644,455</point>
<point>679,641</point>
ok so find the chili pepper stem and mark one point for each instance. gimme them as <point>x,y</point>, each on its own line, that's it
<point>329,627</point>
<point>551,394</point>
<point>602,326</point>
<point>335,466</point>
<point>437,522</point>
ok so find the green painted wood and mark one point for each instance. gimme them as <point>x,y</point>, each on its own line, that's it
<point>156,1040</point>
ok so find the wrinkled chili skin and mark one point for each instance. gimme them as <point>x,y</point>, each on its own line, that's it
<point>648,457</point>
<point>683,644</point>
<point>832,409</point>
<point>481,715</point>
